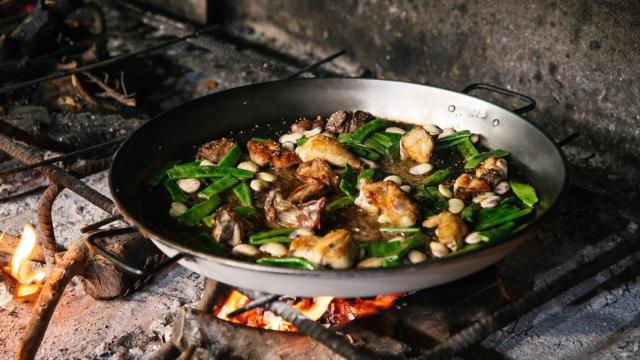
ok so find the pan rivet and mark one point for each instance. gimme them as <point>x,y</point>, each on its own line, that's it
<point>495,122</point>
<point>452,108</point>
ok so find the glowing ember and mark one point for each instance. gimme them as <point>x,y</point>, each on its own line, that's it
<point>28,281</point>
<point>327,310</point>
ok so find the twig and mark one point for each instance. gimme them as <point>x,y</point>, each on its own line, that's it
<point>109,92</point>
<point>81,91</point>
<point>72,263</point>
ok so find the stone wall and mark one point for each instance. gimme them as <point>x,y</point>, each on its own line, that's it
<point>579,59</point>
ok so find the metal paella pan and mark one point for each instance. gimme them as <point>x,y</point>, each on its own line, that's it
<point>177,133</point>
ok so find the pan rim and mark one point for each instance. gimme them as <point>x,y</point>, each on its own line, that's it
<point>327,273</point>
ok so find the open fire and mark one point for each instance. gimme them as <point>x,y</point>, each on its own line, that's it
<point>328,310</point>
<point>28,280</point>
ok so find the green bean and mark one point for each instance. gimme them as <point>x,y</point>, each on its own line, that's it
<point>348,182</point>
<point>259,139</point>
<point>270,233</point>
<point>160,173</point>
<point>394,248</point>
<point>367,174</point>
<point>467,248</point>
<point>339,203</point>
<point>524,192</point>
<point>467,214</point>
<point>385,138</point>
<point>436,177</point>
<point>467,149</point>
<point>203,242</point>
<point>231,157</point>
<point>243,193</point>
<point>498,232</point>
<point>359,136</point>
<point>208,220</point>
<point>288,262</point>
<point>453,139</point>
<point>399,229</point>
<point>430,198</point>
<point>376,146</point>
<point>217,187</point>
<point>194,214</point>
<point>246,211</point>
<point>489,218</point>
<point>393,152</point>
<point>301,141</point>
<point>480,157</point>
<point>205,172</point>
<point>363,151</point>
<point>275,239</point>
<point>174,191</point>
<point>455,136</point>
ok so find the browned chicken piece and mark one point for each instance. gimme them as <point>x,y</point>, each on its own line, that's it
<point>329,149</point>
<point>417,145</point>
<point>347,121</point>
<point>450,229</point>
<point>305,192</point>
<point>493,170</point>
<point>214,150</point>
<point>317,171</point>
<point>226,227</point>
<point>335,249</point>
<point>284,213</point>
<point>466,186</point>
<point>386,198</point>
<point>305,124</point>
<point>270,152</point>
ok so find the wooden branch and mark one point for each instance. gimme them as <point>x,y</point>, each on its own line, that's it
<point>72,263</point>
<point>109,92</point>
<point>8,244</point>
<point>213,293</point>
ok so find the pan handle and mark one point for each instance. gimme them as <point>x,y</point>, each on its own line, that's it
<point>530,103</point>
<point>132,270</point>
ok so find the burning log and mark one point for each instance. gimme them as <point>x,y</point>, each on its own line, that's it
<point>197,331</point>
<point>9,243</point>
<point>102,280</point>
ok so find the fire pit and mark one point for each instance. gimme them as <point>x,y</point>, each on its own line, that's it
<point>114,65</point>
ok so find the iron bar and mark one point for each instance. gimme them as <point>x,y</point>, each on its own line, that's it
<point>55,174</point>
<point>315,65</point>
<point>64,157</point>
<point>98,224</point>
<point>508,313</point>
<point>314,330</point>
<point>45,223</point>
<point>253,304</point>
<point>104,63</point>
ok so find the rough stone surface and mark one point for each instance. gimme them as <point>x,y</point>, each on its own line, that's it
<point>578,58</point>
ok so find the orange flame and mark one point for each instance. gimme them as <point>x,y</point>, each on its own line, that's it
<point>326,309</point>
<point>20,269</point>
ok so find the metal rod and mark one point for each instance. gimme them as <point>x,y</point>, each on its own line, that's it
<point>64,157</point>
<point>29,155</point>
<point>314,330</point>
<point>508,313</point>
<point>315,65</point>
<point>104,63</point>
<point>252,305</point>
<point>98,224</point>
